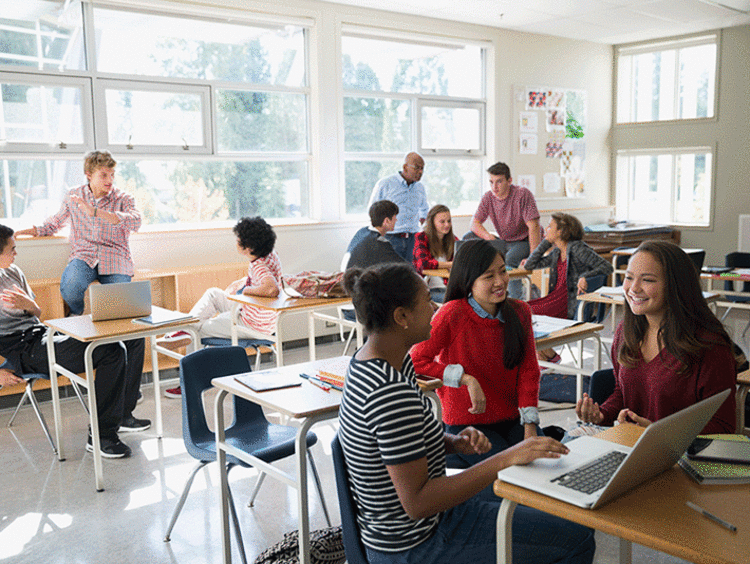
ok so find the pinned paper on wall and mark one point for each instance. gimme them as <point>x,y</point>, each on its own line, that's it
<point>527,144</point>
<point>528,122</point>
<point>555,99</point>
<point>553,150</point>
<point>555,120</point>
<point>552,183</point>
<point>536,99</point>
<point>527,181</point>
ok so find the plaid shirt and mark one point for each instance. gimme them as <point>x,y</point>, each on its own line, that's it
<point>94,240</point>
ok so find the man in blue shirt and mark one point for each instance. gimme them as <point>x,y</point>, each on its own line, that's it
<point>406,191</point>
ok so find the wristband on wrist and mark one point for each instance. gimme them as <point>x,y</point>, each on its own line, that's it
<point>452,375</point>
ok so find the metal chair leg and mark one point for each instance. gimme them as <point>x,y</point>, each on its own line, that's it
<point>235,519</point>
<point>318,486</point>
<point>349,340</point>
<point>25,395</point>
<point>77,390</point>
<point>183,498</point>
<point>42,422</point>
<point>256,489</point>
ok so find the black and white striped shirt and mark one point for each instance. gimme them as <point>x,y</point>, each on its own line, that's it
<point>385,421</point>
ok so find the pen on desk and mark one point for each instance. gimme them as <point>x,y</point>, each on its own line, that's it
<point>315,382</point>
<point>711,516</point>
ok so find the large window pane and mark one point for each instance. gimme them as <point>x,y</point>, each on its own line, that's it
<point>416,68</point>
<point>693,197</point>
<point>42,34</point>
<point>36,113</point>
<point>697,76</point>
<point>377,125</point>
<point>261,121</point>
<point>451,128</point>
<point>33,189</point>
<point>167,46</point>
<point>143,117</point>
<point>173,191</point>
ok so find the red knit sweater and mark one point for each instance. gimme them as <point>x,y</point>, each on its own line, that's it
<point>654,389</point>
<point>460,336</point>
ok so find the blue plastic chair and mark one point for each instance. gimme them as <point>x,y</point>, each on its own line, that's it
<point>244,343</point>
<point>353,547</point>
<point>737,260</point>
<point>249,432</point>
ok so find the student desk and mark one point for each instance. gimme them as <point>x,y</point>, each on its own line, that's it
<point>285,305</point>
<point>653,515</point>
<point>306,403</point>
<point>576,333</point>
<point>523,274</point>
<point>97,333</point>
<point>728,277</point>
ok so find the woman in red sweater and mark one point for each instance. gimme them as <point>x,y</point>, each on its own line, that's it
<point>669,351</point>
<point>433,248</point>
<point>482,347</point>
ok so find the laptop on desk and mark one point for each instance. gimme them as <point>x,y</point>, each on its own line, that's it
<point>120,301</point>
<point>597,471</point>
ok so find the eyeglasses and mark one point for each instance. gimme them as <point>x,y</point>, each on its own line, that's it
<point>416,167</point>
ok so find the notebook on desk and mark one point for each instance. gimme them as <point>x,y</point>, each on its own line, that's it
<point>120,301</point>
<point>597,471</point>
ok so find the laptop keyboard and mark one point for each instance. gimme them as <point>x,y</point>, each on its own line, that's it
<point>594,475</point>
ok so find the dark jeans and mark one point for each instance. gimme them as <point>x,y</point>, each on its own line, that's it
<point>404,246</point>
<point>78,276</point>
<point>119,367</point>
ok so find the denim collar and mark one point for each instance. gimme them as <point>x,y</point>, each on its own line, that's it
<point>479,310</point>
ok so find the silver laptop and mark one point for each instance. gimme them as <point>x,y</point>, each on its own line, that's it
<point>119,301</point>
<point>597,471</point>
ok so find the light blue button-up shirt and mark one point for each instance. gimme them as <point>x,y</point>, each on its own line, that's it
<point>411,200</point>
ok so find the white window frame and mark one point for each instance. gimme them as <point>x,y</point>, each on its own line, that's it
<point>425,102</point>
<point>623,181</point>
<point>60,146</point>
<point>624,96</point>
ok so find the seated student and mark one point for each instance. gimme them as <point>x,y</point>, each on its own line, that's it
<point>369,245</point>
<point>482,347</point>
<point>571,261</point>
<point>23,343</point>
<point>408,509</point>
<point>255,240</point>
<point>101,219</point>
<point>433,248</point>
<point>669,351</point>
<point>513,212</point>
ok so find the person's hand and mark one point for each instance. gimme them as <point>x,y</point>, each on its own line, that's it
<point>582,285</point>
<point>587,410</point>
<point>32,231</point>
<point>235,286</point>
<point>471,441</point>
<point>529,431</point>
<point>478,400</point>
<point>16,298</point>
<point>7,378</point>
<point>522,264</point>
<point>627,416</point>
<point>82,205</point>
<point>533,448</point>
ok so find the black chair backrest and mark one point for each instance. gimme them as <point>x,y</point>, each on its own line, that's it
<point>601,385</point>
<point>737,260</point>
<point>353,547</point>
<point>698,257</point>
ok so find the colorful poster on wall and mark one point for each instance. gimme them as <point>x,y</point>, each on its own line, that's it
<point>527,144</point>
<point>555,120</point>
<point>536,99</point>
<point>528,122</point>
<point>553,150</point>
<point>555,99</point>
<point>527,181</point>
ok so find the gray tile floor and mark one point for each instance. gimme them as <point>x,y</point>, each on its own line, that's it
<point>49,511</point>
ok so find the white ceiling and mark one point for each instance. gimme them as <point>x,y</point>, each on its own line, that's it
<point>601,21</point>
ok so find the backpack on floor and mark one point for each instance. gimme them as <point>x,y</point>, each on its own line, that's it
<point>326,547</point>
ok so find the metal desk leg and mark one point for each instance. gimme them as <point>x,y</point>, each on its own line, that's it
<point>300,450</point>
<point>55,393</point>
<point>626,551</point>
<point>221,457</point>
<point>311,334</point>
<point>504,533</point>
<point>157,386</point>
<point>88,363</point>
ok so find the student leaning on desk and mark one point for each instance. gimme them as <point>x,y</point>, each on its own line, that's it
<point>394,447</point>
<point>669,351</point>
<point>23,343</point>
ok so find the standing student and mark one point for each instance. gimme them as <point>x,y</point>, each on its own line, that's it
<point>406,191</point>
<point>571,261</point>
<point>255,240</point>
<point>482,347</point>
<point>513,212</point>
<point>433,248</point>
<point>408,509</point>
<point>101,219</point>
<point>669,351</point>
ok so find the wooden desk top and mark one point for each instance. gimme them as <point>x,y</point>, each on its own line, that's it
<point>726,276</point>
<point>82,328</point>
<point>285,302</point>
<point>655,515</point>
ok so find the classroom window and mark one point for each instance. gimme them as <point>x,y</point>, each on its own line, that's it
<point>32,189</point>
<point>670,80</point>
<point>403,95</point>
<point>665,187</point>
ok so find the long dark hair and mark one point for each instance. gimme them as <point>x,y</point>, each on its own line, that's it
<point>439,248</point>
<point>377,291</point>
<point>688,326</point>
<point>473,258</point>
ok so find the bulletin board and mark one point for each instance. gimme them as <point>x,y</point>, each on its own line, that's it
<point>549,141</point>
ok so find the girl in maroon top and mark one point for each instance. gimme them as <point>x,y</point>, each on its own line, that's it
<point>433,248</point>
<point>669,351</point>
<point>482,347</point>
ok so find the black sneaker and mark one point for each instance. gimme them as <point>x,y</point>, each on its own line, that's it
<point>110,448</point>
<point>133,425</point>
